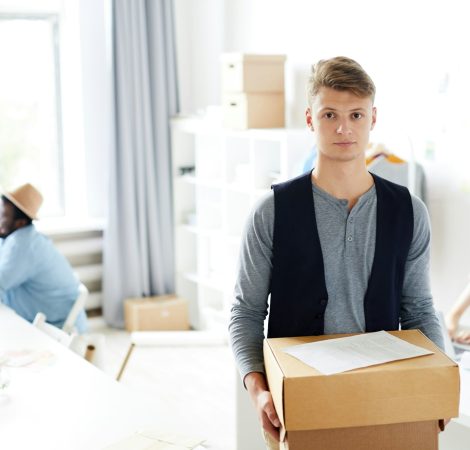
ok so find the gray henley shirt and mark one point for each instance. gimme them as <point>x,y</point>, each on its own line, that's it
<point>347,240</point>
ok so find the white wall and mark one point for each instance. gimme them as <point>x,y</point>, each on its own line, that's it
<point>416,52</point>
<point>199,42</point>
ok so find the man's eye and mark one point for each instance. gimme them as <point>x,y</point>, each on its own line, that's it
<point>357,115</point>
<point>329,115</point>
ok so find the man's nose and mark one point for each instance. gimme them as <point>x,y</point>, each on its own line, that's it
<point>343,127</point>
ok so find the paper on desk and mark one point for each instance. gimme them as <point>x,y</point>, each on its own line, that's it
<point>27,358</point>
<point>348,353</point>
<point>156,440</point>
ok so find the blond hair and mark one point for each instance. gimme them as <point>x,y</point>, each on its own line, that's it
<point>340,73</point>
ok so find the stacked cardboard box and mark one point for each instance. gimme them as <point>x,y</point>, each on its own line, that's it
<point>164,312</point>
<point>253,90</point>
<point>390,406</point>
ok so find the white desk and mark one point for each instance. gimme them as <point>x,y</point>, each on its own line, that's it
<point>69,404</point>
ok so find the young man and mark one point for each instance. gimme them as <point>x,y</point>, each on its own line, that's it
<point>34,276</point>
<point>338,250</point>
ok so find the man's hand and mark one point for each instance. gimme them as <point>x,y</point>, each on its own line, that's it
<point>257,387</point>
<point>463,337</point>
<point>452,324</point>
<point>442,423</point>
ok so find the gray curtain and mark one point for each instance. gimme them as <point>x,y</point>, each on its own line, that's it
<point>138,243</point>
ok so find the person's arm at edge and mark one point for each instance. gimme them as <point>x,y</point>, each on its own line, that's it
<point>454,315</point>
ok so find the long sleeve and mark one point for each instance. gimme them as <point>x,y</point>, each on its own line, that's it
<point>250,304</point>
<point>417,310</point>
<point>13,274</point>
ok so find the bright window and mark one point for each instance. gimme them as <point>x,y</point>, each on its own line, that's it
<point>30,112</point>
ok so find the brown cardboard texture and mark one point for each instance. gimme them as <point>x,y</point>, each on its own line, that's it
<point>252,73</point>
<point>242,111</point>
<point>159,313</point>
<point>396,436</point>
<point>412,390</point>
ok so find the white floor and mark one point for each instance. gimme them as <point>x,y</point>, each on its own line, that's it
<point>195,384</point>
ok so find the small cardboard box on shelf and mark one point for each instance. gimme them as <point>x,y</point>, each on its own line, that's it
<point>253,91</point>
<point>243,111</point>
<point>243,72</point>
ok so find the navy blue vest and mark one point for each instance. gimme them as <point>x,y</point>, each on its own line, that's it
<point>298,291</point>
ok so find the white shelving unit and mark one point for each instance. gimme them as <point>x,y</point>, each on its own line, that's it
<point>231,171</point>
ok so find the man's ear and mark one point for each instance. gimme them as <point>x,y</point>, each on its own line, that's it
<point>374,117</point>
<point>308,118</point>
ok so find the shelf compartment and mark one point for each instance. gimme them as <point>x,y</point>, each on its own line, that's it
<point>211,256</point>
<point>209,208</point>
<point>238,207</point>
<point>238,162</point>
<point>266,162</point>
<point>185,251</point>
<point>184,205</point>
<point>188,290</point>
<point>209,158</point>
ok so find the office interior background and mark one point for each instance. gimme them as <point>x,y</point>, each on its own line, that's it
<point>58,101</point>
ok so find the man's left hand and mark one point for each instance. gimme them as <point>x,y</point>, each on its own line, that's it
<point>442,423</point>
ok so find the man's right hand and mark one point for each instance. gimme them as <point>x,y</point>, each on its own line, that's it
<point>262,399</point>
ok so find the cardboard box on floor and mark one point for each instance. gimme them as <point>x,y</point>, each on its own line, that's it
<point>159,313</point>
<point>389,406</point>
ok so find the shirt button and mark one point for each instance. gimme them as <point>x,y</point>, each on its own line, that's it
<point>350,238</point>
<point>323,301</point>
<point>319,316</point>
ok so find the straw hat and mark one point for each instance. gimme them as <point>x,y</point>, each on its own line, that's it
<point>27,198</point>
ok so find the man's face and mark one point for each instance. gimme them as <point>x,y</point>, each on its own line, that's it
<point>7,220</point>
<point>342,122</point>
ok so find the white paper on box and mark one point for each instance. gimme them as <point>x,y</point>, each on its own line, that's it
<point>342,354</point>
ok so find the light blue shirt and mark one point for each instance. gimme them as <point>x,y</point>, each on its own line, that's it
<point>35,277</point>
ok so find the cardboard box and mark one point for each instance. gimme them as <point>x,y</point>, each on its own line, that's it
<point>165,312</point>
<point>396,436</point>
<point>252,73</point>
<point>362,406</point>
<point>242,111</point>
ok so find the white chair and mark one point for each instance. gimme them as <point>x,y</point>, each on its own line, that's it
<point>69,324</point>
<point>69,340</point>
<point>67,334</point>
<point>55,333</point>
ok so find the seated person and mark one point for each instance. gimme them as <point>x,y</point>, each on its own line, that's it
<point>34,276</point>
<point>453,317</point>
